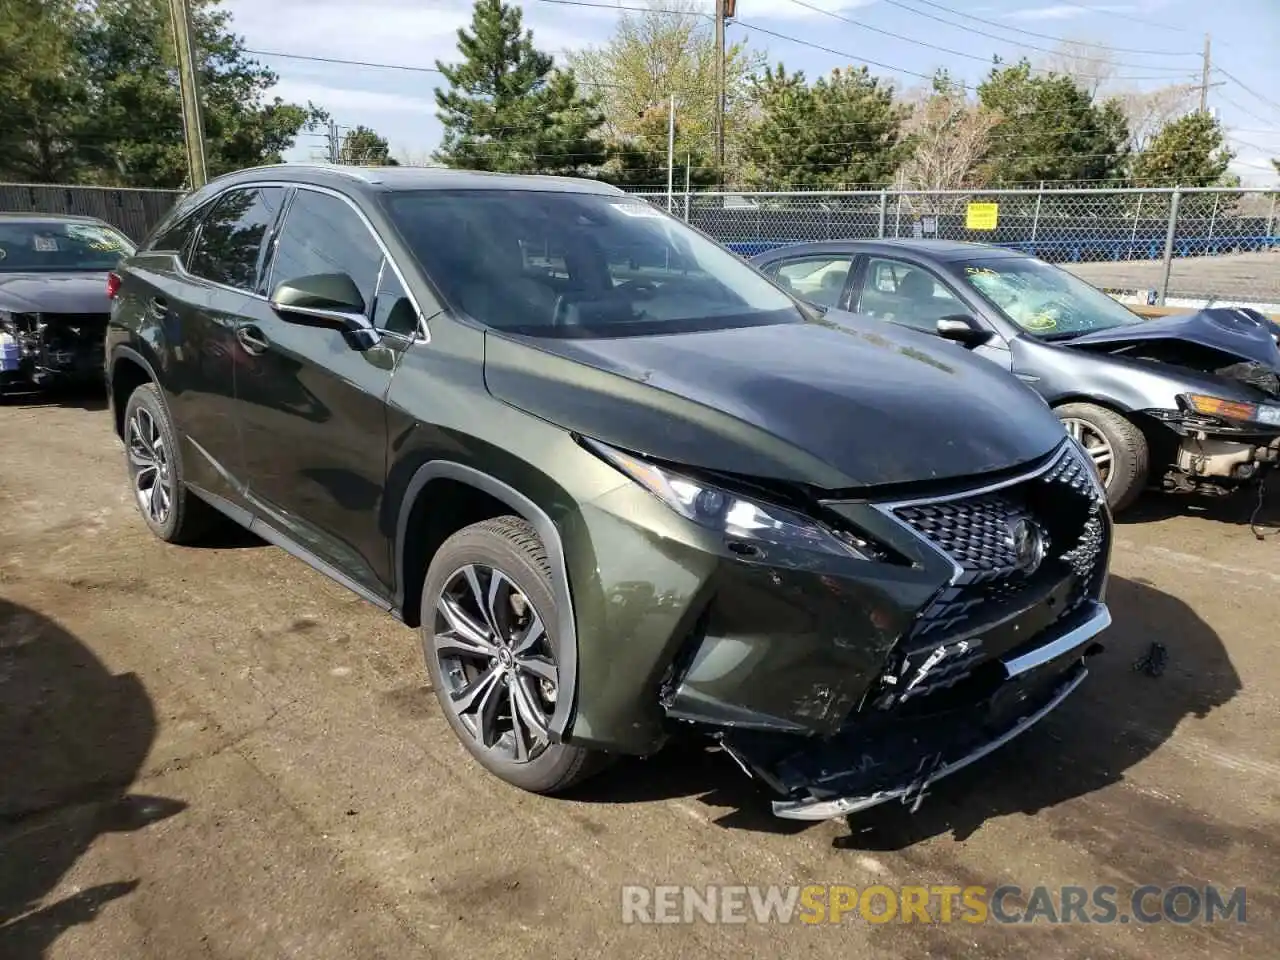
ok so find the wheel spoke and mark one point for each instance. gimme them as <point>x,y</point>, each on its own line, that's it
<point>525,712</point>
<point>496,580</point>
<point>465,636</point>
<point>539,667</point>
<point>478,595</point>
<point>532,635</point>
<point>481,699</point>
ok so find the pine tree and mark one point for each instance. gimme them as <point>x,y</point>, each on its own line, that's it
<point>508,108</point>
<point>1188,152</point>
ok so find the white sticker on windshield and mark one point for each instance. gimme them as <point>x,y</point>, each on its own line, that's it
<point>46,244</point>
<point>638,210</point>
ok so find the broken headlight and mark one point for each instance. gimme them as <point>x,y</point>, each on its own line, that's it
<point>731,514</point>
<point>1267,413</point>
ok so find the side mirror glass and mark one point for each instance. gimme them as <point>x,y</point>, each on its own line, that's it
<point>964,330</point>
<point>330,300</point>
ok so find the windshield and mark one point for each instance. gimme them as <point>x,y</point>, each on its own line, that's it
<point>50,245</point>
<point>1044,300</point>
<point>580,265</point>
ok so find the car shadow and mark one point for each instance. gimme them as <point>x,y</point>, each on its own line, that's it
<point>1240,509</point>
<point>78,397</point>
<point>1117,718</point>
<point>73,736</point>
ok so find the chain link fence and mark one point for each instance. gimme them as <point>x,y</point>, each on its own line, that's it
<point>132,211</point>
<point>1180,247</point>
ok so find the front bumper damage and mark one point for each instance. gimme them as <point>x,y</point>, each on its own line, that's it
<point>868,764</point>
<point>47,349</point>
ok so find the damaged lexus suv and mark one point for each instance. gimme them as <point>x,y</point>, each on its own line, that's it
<point>622,483</point>
<point>53,298</point>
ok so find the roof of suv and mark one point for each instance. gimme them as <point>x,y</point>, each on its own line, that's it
<point>939,250</point>
<point>385,179</point>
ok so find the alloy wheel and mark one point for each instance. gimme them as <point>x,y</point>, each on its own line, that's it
<point>149,466</point>
<point>496,659</point>
<point>1094,443</point>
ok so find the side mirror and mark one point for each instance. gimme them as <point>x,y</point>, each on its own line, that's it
<point>964,330</point>
<point>330,300</point>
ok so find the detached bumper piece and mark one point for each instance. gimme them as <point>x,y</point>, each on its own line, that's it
<point>883,756</point>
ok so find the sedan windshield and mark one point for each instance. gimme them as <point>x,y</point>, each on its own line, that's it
<point>1042,299</point>
<point>559,264</point>
<point>59,246</point>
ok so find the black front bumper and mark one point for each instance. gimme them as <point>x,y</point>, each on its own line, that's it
<point>877,759</point>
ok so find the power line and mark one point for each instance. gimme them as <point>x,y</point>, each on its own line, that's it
<point>1269,102</point>
<point>934,46</point>
<point>838,53</point>
<point>1029,33</point>
<point>621,6</point>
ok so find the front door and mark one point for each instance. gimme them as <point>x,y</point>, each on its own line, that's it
<point>313,419</point>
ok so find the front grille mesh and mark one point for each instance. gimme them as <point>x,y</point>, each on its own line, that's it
<point>975,532</point>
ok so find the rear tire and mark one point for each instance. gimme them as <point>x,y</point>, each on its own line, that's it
<point>153,460</point>
<point>1118,447</point>
<point>489,637</point>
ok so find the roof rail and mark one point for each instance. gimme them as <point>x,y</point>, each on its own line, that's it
<point>363,174</point>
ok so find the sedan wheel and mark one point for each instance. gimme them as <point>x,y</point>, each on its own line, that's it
<point>492,648</point>
<point>1094,443</point>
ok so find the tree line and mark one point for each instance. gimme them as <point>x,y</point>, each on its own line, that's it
<point>89,94</point>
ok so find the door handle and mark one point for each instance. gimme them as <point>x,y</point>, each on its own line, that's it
<point>252,339</point>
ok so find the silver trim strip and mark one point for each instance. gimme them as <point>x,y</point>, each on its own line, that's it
<point>842,806</point>
<point>1099,620</point>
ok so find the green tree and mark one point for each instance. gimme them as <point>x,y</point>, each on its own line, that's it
<point>507,108</point>
<point>135,135</point>
<point>363,146</point>
<point>1050,129</point>
<point>43,94</point>
<point>640,160</point>
<point>655,53</point>
<point>844,130</point>
<point>1190,152</point>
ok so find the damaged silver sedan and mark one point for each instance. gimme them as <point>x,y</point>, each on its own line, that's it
<point>1187,403</point>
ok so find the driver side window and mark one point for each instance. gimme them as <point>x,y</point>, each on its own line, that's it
<point>323,234</point>
<point>906,294</point>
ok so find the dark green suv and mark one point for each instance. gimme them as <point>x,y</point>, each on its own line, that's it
<point>621,481</point>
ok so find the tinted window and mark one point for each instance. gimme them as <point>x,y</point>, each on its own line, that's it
<point>322,234</point>
<point>230,239</point>
<point>178,234</point>
<point>906,294</point>
<point>574,264</point>
<point>817,279</point>
<point>59,246</point>
<point>393,310</point>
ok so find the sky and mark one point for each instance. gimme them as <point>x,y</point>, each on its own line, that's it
<point>1155,42</point>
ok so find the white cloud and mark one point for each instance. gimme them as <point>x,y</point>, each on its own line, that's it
<point>1068,11</point>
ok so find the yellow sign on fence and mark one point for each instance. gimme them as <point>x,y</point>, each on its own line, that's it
<point>982,216</point>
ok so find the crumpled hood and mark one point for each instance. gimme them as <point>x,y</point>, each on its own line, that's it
<point>845,402</point>
<point>54,292</point>
<point>1233,331</point>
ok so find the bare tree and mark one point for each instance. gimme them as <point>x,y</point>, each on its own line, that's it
<point>950,134</point>
<point>1092,66</point>
<point>1150,111</point>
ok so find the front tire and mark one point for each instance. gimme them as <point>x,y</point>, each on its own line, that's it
<point>154,463</point>
<point>488,635</point>
<point>1117,446</point>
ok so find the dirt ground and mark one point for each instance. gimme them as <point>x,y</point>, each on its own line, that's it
<point>217,753</point>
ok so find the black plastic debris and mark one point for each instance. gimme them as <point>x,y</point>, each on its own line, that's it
<point>1153,662</point>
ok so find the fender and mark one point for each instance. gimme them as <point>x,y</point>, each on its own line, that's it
<point>123,351</point>
<point>550,536</point>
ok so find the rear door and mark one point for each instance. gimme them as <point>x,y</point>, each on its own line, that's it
<point>313,415</point>
<point>821,279</point>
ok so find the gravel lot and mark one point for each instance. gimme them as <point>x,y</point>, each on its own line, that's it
<point>1251,277</point>
<point>218,753</point>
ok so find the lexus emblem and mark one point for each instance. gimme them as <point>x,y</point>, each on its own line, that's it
<point>1028,545</point>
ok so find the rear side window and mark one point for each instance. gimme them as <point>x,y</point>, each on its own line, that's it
<point>230,240</point>
<point>323,234</point>
<point>177,235</point>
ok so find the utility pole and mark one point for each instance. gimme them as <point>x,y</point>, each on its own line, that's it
<point>724,10</point>
<point>671,151</point>
<point>335,145</point>
<point>189,84</point>
<point>1204,78</point>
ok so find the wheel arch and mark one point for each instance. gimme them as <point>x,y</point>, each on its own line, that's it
<point>438,475</point>
<point>129,370</point>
